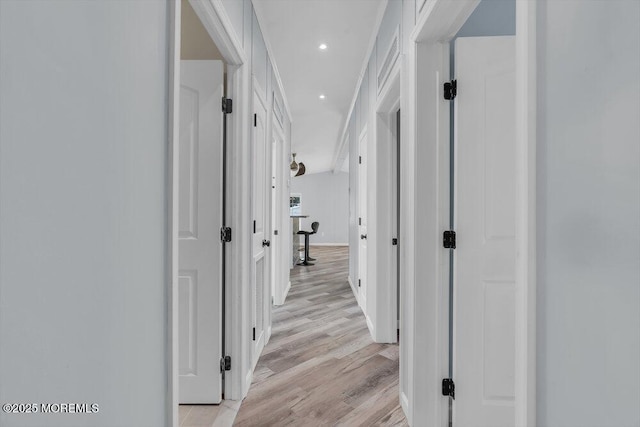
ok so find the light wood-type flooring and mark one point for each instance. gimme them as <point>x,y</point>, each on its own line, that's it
<point>320,367</point>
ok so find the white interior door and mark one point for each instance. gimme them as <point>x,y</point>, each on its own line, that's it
<point>362,209</point>
<point>275,241</point>
<point>484,275</point>
<point>395,214</point>
<point>280,255</point>
<point>261,287</point>
<point>200,219</point>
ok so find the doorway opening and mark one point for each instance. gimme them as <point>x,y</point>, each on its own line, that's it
<point>385,285</point>
<point>482,211</point>
<point>492,203</point>
<point>201,215</point>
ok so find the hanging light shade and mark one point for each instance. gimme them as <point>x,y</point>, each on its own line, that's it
<point>293,166</point>
<point>301,169</point>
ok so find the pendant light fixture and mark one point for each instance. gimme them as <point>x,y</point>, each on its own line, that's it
<point>294,166</point>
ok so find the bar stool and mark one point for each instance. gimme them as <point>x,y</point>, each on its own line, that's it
<point>314,228</point>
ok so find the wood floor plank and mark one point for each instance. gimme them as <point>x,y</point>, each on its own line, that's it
<point>320,367</point>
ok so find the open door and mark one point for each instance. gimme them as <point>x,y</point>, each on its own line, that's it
<point>200,219</point>
<point>484,272</point>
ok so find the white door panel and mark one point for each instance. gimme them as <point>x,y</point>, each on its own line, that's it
<point>261,185</point>
<point>200,219</point>
<point>278,267</point>
<point>484,314</point>
<point>362,192</point>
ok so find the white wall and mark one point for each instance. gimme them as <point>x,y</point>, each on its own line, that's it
<point>260,66</point>
<point>235,10</point>
<point>589,213</point>
<point>83,211</point>
<point>325,198</point>
<point>390,24</point>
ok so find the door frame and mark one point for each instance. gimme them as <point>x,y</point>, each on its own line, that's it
<point>280,257</point>
<point>384,267</point>
<point>237,337</point>
<point>426,142</point>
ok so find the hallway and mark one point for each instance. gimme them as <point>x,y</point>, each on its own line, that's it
<point>320,366</point>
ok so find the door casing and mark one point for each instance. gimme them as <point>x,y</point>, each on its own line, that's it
<point>384,224</point>
<point>281,255</point>
<point>237,333</point>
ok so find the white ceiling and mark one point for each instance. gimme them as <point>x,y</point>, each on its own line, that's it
<point>294,29</point>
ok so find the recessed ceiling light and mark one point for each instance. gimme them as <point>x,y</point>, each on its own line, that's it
<point>322,97</point>
<point>322,46</point>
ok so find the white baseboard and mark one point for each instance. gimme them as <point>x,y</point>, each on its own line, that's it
<point>353,287</point>
<point>247,383</point>
<point>362,303</point>
<point>404,403</point>
<point>282,298</point>
<point>371,328</point>
<point>286,292</point>
<point>328,244</point>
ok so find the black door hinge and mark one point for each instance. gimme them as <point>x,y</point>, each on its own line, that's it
<point>394,241</point>
<point>227,105</point>
<point>225,234</point>
<point>254,226</point>
<point>225,364</point>
<point>255,120</point>
<point>449,239</point>
<point>254,334</point>
<point>359,160</point>
<point>450,90</point>
<point>448,388</point>
<point>275,232</point>
<point>358,282</point>
<point>360,221</point>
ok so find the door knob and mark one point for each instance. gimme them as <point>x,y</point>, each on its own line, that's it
<point>363,236</point>
<point>266,243</point>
